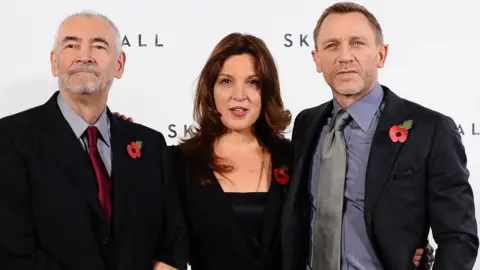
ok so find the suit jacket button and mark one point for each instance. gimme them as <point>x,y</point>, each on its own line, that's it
<point>105,240</point>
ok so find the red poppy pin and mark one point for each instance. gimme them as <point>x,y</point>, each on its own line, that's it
<point>281,175</point>
<point>399,133</point>
<point>133,149</point>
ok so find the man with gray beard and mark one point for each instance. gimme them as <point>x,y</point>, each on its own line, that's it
<point>80,188</point>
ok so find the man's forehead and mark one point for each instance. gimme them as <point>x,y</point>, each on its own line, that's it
<point>85,27</point>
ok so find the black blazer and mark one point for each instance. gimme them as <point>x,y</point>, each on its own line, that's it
<point>216,241</point>
<point>50,217</point>
<point>410,187</point>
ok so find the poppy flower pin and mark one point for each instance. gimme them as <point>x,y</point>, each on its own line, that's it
<point>134,149</point>
<point>281,175</point>
<point>399,133</point>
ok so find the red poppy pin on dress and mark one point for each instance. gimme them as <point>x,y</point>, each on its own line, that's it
<point>134,148</point>
<point>399,133</point>
<point>281,175</point>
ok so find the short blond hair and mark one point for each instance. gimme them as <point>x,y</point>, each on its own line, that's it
<point>349,7</point>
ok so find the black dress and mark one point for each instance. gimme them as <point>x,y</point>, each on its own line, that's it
<point>233,231</point>
<point>249,210</point>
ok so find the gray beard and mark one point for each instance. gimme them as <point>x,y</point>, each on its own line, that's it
<point>88,87</point>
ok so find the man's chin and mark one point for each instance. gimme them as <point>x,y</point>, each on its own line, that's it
<point>82,90</point>
<point>348,92</point>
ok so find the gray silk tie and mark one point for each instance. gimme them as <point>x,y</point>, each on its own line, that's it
<point>330,193</point>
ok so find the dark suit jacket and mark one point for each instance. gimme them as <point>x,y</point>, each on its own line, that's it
<point>410,187</point>
<point>50,217</point>
<point>216,240</point>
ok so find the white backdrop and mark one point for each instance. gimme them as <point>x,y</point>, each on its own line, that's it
<point>432,60</point>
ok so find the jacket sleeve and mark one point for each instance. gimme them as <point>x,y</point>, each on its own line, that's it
<point>17,233</point>
<point>173,250</point>
<point>450,200</point>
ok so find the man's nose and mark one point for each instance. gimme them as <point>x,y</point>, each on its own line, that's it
<point>86,59</point>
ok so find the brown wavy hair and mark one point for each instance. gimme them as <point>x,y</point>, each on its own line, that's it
<point>269,128</point>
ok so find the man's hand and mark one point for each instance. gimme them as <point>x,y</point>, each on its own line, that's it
<point>418,256</point>
<point>162,266</point>
<point>430,256</point>
<point>124,117</point>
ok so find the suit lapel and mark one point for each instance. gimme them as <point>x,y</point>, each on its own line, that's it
<point>383,152</point>
<point>59,142</point>
<point>303,150</point>
<point>296,208</point>
<point>125,170</point>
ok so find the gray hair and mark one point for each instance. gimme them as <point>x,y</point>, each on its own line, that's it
<point>91,14</point>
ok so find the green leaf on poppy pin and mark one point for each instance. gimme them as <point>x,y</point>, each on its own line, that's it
<point>407,124</point>
<point>139,143</point>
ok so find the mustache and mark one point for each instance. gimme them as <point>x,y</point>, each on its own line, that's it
<point>79,68</point>
<point>347,69</point>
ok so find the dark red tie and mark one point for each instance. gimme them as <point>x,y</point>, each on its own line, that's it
<point>103,180</point>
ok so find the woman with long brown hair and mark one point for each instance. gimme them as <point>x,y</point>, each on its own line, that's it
<point>233,172</point>
<point>237,160</point>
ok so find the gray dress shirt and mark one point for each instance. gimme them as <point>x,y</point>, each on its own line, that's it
<point>79,126</point>
<point>357,251</point>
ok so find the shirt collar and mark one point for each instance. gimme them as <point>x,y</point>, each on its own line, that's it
<point>364,109</point>
<point>79,125</point>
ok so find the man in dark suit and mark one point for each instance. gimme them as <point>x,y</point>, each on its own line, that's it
<point>373,172</point>
<point>80,188</point>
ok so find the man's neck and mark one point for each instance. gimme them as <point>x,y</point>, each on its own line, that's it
<point>346,101</point>
<point>88,106</point>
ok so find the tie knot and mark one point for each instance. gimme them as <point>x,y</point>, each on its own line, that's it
<point>341,120</point>
<point>92,134</point>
